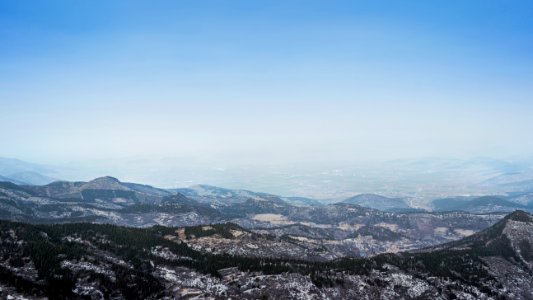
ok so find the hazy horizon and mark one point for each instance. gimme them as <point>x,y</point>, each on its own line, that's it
<point>221,85</point>
<point>419,180</point>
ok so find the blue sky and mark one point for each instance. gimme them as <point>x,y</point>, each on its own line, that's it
<point>265,81</point>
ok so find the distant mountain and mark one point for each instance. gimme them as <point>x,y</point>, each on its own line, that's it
<point>335,213</point>
<point>450,203</point>
<point>7,179</point>
<point>256,206</point>
<point>12,165</point>
<point>30,177</point>
<point>208,193</point>
<point>25,172</point>
<point>485,204</point>
<point>104,199</point>
<point>108,200</point>
<point>378,202</point>
<point>427,178</point>
<point>513,182</point>
<point>346,229</point>
<point>104,189</point>
<point>301,201</point>
<point>486,164</point>
<point>509,178</point>
<point>524,185</point>
<point>222,196</point>
<point>523,198</point>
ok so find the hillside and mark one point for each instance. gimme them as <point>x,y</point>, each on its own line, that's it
<point>339,229</point>
<point>378,202</point>
<point>105,188</point>
<point>485,204</point>
<point>77,261</point>
<point>222,196</point>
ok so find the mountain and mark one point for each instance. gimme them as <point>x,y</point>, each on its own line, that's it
<point>222,196</point>
<point>102,200</point>
<point>511,237</point>
<point>450,203</point>
<point>7,179</point>
<point>485,204</point>
<point>255,206</point>
<point>301,201</point>
<point>12,165</point>
<point>523,198</point>
<point>30,177</point>
<point>523,185</point>
<point>25,172</point>
<point>209,194</point>
<point>107,189</point>
<point>378,202</point>
<point>340,229</point>
<point>497,261</point>
<point>95,261</point>
<point>502,253</point>
<point>27,178</point>
<point>519,179</point>
<point>427,179</point>
<point>171,210</point>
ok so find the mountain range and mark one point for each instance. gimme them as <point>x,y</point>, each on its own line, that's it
<point>217,195</point>
<point>339,229</point>
<point>92,261</point>
<point>378,202</point>
<point>21,172</point>
<point>418,181</point>
<point>483,204</point>
<point>467,247</point>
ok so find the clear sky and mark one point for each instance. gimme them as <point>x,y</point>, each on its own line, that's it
<point>265,81</point>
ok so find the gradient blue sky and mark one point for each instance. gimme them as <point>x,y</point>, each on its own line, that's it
<point>265,81</point>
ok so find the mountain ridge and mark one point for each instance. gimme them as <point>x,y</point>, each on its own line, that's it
<point>89,260</point>
<point>378,202</point>
<point>478,204</point>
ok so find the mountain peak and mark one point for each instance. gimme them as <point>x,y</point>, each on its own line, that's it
<point>520,216</point>
<point>105,182</point>
<point>106,178</point>
<point>377,202</point>
<point>368,196</point>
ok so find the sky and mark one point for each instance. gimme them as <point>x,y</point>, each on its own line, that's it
<point>265,82</point>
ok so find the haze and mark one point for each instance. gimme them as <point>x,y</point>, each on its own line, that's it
<point>233,83</point>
